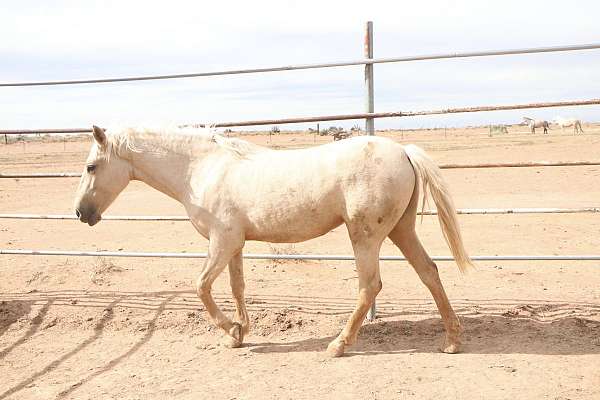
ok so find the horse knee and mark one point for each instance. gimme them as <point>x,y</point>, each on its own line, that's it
<point>203,289</point>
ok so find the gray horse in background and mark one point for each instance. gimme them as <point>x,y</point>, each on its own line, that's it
<point>536,123</point>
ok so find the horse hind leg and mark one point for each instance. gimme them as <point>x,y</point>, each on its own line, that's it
<point>405,237</point>
<point>366,252</point>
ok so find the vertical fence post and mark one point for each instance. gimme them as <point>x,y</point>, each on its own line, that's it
<point>370,122</point>
<point>370,107</point>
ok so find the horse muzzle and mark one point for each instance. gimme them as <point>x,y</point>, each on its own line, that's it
<point>90,218</point>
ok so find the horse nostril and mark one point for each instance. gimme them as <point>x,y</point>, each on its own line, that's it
<point>77,213</point>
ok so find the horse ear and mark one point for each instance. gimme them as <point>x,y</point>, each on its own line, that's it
<point>99,136</point>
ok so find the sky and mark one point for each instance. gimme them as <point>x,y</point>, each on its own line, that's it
<point>65,40</point>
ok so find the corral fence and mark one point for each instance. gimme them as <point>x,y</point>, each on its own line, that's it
<point>369,115</point>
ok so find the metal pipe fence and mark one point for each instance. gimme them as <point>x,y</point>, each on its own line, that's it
<point>338,117</point>
<point>460,211</point>
<point>367,61</point>
<point>442,166</point>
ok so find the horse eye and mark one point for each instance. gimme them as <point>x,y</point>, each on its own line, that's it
<point>91,168</point>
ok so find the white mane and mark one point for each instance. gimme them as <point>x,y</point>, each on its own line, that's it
<point>175,140</point>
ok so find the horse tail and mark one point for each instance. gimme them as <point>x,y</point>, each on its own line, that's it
<point>430,176</point>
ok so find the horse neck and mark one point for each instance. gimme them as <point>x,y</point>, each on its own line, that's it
<point>165,174</point>
<point>165,167</point>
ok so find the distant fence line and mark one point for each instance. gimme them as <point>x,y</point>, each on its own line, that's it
<point>338,117</point>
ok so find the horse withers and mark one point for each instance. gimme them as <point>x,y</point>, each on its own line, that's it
<point>235,191</point>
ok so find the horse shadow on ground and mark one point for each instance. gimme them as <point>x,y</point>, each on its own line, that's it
<point>491,326</point>
<point>98,330</point>
<point>482,335</point>
<point>11,312</point>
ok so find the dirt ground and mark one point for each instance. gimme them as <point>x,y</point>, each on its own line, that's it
<point>127,328</point>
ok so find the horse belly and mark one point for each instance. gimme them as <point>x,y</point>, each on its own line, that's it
<point>279,224</point>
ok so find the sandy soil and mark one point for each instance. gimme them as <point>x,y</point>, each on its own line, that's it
<point>90,328</point>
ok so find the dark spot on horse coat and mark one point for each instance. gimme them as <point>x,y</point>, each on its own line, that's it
<point>379,220</point>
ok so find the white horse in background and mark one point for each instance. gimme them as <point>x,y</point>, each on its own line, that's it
<point>235,191</point>
<point>536,123</point>
<point>566,122</point>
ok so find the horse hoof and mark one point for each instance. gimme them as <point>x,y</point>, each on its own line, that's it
<point>335,349</point>
<point>450,348</point>
<point>236,334</point>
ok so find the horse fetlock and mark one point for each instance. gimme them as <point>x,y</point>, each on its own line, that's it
<point>243,321</point>
<point>351,339</point>
<point>245,327</point>
<point>454,329</point>
<point>452,342</point>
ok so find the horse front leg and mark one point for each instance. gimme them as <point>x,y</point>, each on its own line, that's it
<point>236,280</point>
<point>221,250</point>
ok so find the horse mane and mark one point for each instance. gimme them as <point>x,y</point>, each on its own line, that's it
<point>175,140</point>
<point>239,147</point>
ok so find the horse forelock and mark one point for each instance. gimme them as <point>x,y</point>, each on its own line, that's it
<point>118,142</point>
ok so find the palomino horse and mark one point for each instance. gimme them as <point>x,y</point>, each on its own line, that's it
<point>536,123</point>
<point>566,122</point>
<point>235,191</point>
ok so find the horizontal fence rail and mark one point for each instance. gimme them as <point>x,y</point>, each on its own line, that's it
<point>338,117</point>
<point>487,53</point>
<point>392,114</point>
<point>44,131</point>
<point>520,164</point>
<point>442,166</point>
<point>43,175</point>
<point>462,211</point>
<point>251,256</point>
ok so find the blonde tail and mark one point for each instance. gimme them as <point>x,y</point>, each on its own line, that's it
<point>429,174</point>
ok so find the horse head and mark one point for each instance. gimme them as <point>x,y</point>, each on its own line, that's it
<point>104,177</point>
